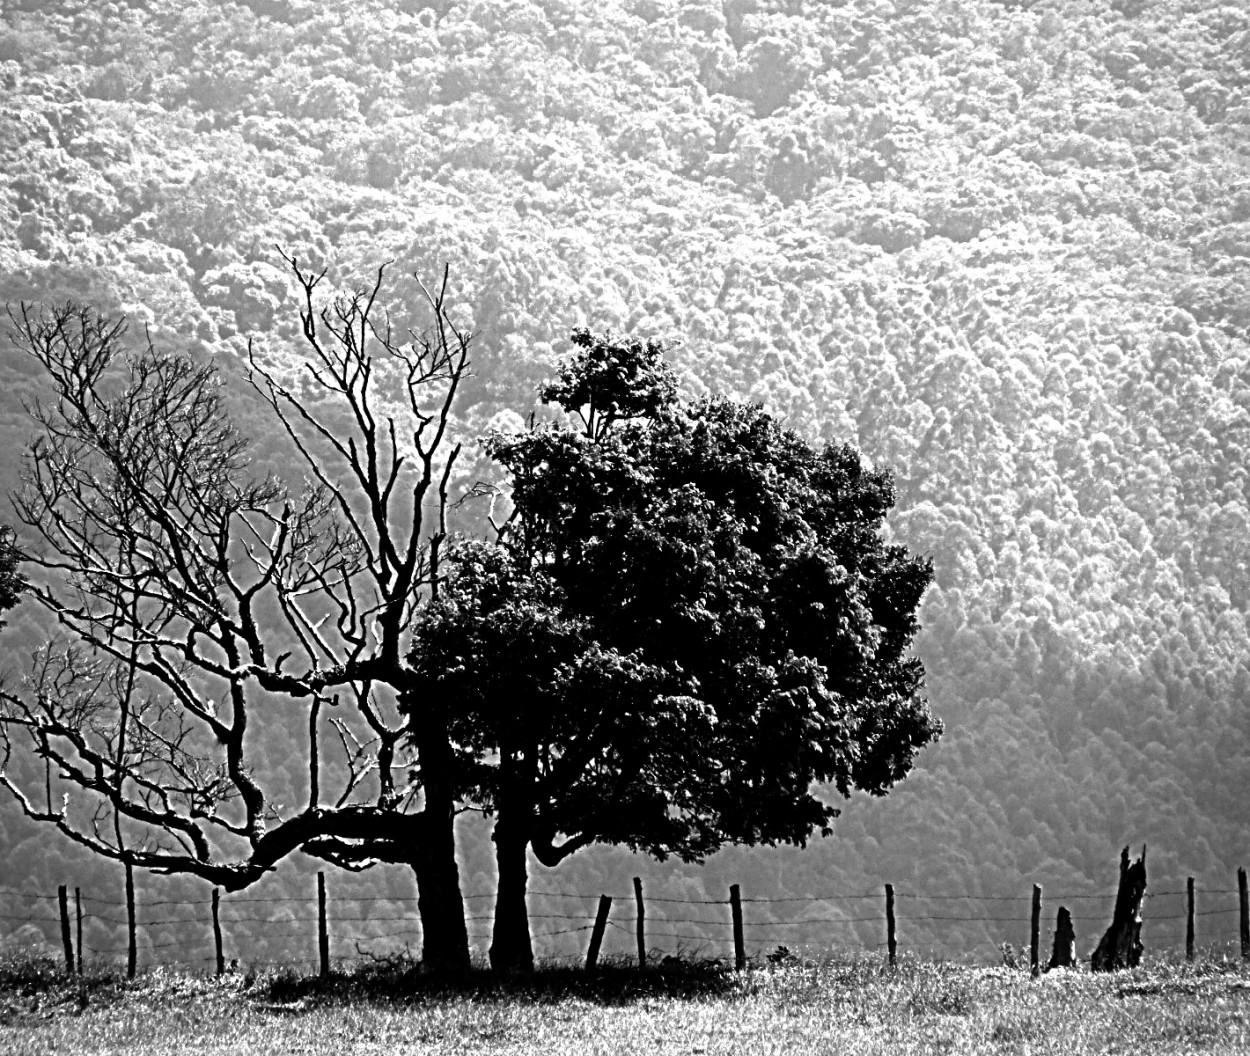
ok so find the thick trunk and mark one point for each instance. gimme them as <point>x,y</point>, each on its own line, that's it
<point>444,938</point>
<point>510,948</point>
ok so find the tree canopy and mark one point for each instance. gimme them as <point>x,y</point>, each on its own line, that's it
<point>687,623</point>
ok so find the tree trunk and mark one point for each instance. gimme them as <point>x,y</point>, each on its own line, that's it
<point>444,938</point>
<point>1120,946</point>
<point>510,948</point>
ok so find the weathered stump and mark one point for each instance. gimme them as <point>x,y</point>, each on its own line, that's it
<point>1120,946</point>
<point>1063,955</point>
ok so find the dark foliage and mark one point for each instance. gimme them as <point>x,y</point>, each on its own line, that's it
<point>688,624</point>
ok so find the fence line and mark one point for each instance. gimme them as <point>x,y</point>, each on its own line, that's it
<point>534,892</point>
<point>332,919</point>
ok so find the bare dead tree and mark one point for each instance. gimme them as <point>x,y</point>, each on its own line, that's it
<point>198,598</point>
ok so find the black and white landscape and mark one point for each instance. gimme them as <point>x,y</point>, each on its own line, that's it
<point>1002,248</point>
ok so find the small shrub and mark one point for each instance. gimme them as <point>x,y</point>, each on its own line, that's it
<point>287,985</point>
<point>28,972</point>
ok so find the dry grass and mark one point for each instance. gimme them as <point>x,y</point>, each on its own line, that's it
<point>836,1006</point>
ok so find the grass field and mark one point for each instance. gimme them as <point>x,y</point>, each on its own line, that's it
<point>835,1006</point>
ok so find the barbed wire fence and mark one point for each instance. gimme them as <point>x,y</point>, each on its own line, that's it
<point>317,932</point>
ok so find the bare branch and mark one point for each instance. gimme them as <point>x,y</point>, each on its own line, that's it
<point>202,595</point>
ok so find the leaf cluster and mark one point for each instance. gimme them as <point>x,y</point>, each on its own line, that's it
<point>688,621</point>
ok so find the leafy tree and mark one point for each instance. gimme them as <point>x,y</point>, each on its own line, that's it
<point>210,608</point>
<point>688,623</point>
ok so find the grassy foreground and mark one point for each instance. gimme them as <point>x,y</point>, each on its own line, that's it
<point>829,1007</point>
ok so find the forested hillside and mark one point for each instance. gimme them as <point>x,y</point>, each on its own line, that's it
<point>1004,247</point>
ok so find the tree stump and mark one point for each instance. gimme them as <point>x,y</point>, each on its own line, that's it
<point>1120,946</point>
<point>1063,955</point>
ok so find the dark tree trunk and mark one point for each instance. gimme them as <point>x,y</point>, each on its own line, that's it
<point>1120,946</point>
<point>510,948</point>
<point>1063,955</point>
<point>444,937</point>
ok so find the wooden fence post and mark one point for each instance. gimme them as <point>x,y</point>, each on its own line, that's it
<point>596,935</point>
<point>221,958</point>
<point>1244,900</point>
<point>62,896</point>
<point>1189,919</point>
<point>1035,932</point>
<point>78,911</point>
<point>132,931</point>
<point>891,942</point>
<point>735,908</point>
<point>641,922</point>
<point>323,933</point>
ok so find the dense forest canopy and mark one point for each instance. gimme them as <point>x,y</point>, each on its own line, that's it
<point>1002,247</point>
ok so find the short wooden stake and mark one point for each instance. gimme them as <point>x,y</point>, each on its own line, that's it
<point>891,939</point>
<point>1063,955</point>
<point>1244,899</point>
<point>221,957</point>
<point>735,908</point>
<point>1035,932</point>
<point>640,912</point>
<point>62,896</point>
<point>1189,919</point>
<point>323,933</point>
<point>596,935</point>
